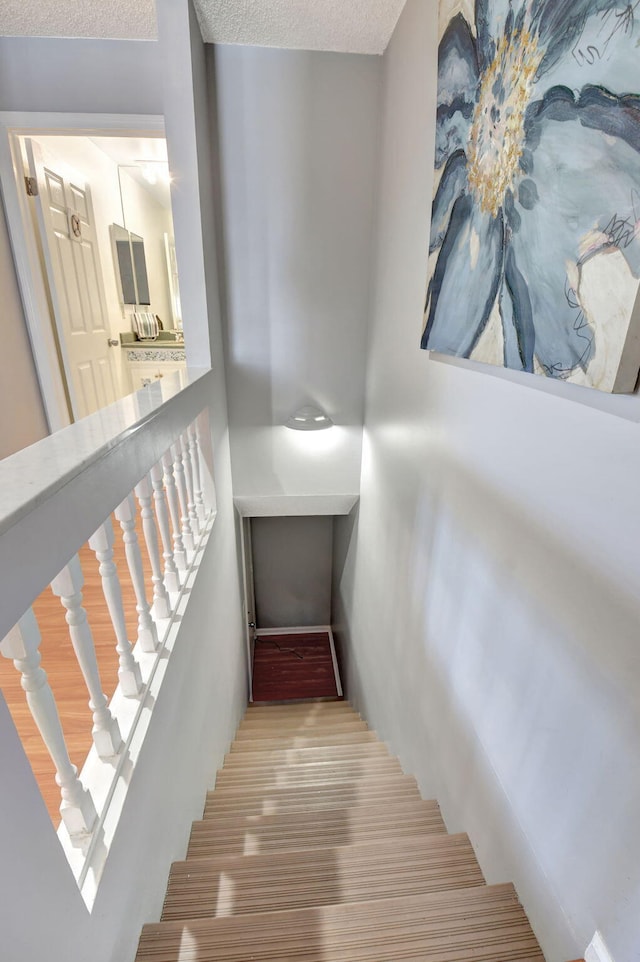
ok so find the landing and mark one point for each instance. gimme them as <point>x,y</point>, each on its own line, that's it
<point>294,666</point>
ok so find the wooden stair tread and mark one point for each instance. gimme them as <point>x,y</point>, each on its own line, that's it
<point>296,708</point>
<point>374,809</point>
<point>267,743</point>
<point>308,773</point>
<point>486,924</point>
<point>316,847</point>
<point>322,728</point>
<point>358,796</point>
<point>295,756</point>
<point>251,883</point>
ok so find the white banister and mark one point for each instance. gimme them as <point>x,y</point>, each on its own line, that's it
<point>178,470</point>
<point>161,603</point>
<point>188,477</point>
<point>54,497</point>
<point>194,455</point>
<point>68,587</point>
<point>179,552</point>
<point>101,542</point>
<point>171,576</point>
<point>22,645</point>
<point>126,515</point>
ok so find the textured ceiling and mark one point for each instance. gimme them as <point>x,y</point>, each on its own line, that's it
<point>114,19</point>
<point>353,26</point>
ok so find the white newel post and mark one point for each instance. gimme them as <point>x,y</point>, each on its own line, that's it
<point>188,478</point>
<point>161,603</point>
<point>126,515</point>
<point>21,646</point>
<point>178,470</point>
<point>194,454</point>
<point>68,587</point>
<point>179,553</point>
<point>129,671</point>
<point>171,576</point>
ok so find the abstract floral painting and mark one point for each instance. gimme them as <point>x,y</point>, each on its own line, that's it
<point>534,259</point>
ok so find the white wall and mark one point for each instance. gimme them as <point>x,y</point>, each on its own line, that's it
<point>84,76</point>
<point>489,596</point>
<point>298,135</point>
<point>22,418</point>
<point>292,571</point>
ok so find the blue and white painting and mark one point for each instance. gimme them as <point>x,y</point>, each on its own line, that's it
<point>535,235</point>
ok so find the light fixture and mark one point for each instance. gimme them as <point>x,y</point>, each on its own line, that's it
<point>309,418</point>
<point>154,171</point>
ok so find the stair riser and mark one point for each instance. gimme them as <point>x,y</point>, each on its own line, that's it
<point>420,850</point>
<point>289,731</point>
<point>347,815</point>
<point>304,756</point>
<point>309,807</point>
<point>303,741</point>
<point>309,774</point>
<point>206,845</point>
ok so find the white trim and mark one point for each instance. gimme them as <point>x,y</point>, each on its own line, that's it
<point>23,244</point>
<point>310,630</point>
<point>334,659</point>
<point>597,951</point>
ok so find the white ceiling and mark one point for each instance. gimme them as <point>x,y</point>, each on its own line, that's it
<point>114,19</point>
<point>350,26</point>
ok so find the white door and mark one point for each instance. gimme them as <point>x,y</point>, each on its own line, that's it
<point>72,263</point>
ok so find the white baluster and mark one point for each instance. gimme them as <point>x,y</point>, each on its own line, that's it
<point>194,454</point>
<point>188,478</point>
<point>178,470</point>
<point>129,671</point>
<point>126,515</point>
<point>21,645</point>
<point>68,587</point>
<point>179,553</point>
<point>161,604</point>
<point>171,576</point>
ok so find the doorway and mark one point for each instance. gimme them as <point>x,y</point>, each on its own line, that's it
<point>66,194</point>
<point>288,567</point>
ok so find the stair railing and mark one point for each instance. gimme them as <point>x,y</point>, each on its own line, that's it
<point>149,453</point>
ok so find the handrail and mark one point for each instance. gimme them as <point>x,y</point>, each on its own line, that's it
<point>146,454</point>
<point>79,472</point>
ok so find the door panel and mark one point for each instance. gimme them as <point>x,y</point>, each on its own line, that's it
<point>74,275</point>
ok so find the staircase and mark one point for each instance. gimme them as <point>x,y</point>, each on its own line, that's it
<point>315,847</point>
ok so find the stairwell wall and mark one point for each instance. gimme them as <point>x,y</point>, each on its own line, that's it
<point>487,594</point>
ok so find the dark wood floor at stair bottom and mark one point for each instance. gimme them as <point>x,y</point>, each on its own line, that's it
<point>287,667</point>
<point>315,847</point>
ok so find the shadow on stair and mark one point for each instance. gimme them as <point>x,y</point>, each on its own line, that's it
<point>315,846</point>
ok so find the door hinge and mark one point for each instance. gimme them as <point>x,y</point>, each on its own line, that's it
<point>32,186</point>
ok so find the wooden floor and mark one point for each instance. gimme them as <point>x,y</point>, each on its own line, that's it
<point>287,667</point>
<point>61,666</point>
<point>315,847</point>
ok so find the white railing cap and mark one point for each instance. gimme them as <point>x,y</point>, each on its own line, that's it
<point>55,493</point>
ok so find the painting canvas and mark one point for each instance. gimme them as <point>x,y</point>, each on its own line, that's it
<point>534,258</point>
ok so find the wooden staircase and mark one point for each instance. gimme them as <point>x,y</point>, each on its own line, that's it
<point>314,847</point>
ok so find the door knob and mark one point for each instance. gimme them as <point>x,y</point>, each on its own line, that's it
<point>112,342</point>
